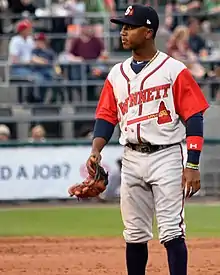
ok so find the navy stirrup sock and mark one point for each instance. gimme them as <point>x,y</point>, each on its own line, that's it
<point>177,256</point>
<point>136,258</point>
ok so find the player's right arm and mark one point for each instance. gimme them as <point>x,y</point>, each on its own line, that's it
<point>106,119</point>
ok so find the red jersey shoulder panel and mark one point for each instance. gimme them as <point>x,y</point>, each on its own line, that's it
<point>188,97</point>
<point>107,106</point>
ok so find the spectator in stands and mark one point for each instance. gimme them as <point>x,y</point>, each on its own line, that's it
<point>212,7</point>
<point>38,134</point>
<point>44,58</point>
<point>196,42</point>
<point>77,8</point>
<point>4,133</point>
<point>22,7</point>
<point>170,21</point>
<point>176,10</point>
<point>179,48</point>
<point>110,6</point>
<point>87,47</point>
<point>20,54</point>
<point>58,24</point>
<point>99,7</point>
<point>80,7</point>
<point>20,48</point>
<point>188,6</point>
<point>3,8</point>
<point>3,5</point>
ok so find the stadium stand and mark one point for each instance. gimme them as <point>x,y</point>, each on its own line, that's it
<point>70,114</point>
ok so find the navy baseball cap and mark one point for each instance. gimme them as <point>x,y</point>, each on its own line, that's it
<point>139,16</point>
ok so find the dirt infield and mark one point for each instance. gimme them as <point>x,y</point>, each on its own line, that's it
<point>102,256</point>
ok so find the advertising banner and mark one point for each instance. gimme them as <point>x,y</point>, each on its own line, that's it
<point>47,172</point>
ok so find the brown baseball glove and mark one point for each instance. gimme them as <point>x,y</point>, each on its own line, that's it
<point>92,186</point>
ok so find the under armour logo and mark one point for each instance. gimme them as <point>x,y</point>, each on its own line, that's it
<point>148,21</point>
<point>193,146</point>
<point>129,11</point>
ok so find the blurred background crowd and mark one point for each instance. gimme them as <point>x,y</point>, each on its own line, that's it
<point>56,54</point>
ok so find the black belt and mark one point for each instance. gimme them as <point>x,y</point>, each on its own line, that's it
<point>148,147</point>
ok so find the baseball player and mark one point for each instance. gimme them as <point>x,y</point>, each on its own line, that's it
<point>158,106</point>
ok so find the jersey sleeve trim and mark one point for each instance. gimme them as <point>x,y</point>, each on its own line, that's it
<point>107,106</point>
<point>188,97</point>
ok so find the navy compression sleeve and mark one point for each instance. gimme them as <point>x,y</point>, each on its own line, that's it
<point>194,131</point>
<point>103,129</point>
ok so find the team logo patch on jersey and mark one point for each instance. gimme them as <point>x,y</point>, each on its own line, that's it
<point>163,114</point>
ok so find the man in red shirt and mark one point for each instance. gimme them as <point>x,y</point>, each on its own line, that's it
<point>87,47</point>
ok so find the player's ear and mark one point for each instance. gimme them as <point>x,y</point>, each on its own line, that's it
<point>149,34</point>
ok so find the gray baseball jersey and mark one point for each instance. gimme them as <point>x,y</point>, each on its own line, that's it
<point>150,107</point>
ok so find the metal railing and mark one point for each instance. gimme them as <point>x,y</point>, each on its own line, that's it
<point>86,79</point>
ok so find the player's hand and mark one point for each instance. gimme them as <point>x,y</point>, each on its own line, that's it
<point>191,182</point>
<point>94,158</point>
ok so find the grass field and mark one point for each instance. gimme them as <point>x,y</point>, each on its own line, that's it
<point>202,221</point>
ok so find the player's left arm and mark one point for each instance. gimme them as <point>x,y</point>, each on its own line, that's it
<point>190,104</point>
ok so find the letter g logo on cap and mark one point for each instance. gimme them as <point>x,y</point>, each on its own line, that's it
<point>129,11</point>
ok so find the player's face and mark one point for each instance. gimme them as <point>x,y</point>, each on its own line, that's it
<point>134,37</point>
